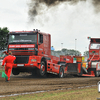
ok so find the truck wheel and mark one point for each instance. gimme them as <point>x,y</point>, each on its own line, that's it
<point>42,70</point>
<point>97,74</point>
<point>61,72</point>
<point>15,71</point>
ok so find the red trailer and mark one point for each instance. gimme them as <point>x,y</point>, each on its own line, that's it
<point>92,67</point>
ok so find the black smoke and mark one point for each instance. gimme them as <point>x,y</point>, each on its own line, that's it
<point>96,4</point>
<point>35,5</point>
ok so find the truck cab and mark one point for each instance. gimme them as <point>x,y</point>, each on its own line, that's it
<point>94,55</point>
<point>30,48</point>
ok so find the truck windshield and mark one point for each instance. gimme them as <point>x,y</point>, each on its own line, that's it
<point>95,46</point>
<point>22,38</point>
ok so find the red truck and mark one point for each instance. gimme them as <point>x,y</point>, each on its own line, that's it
<point>33,53</point>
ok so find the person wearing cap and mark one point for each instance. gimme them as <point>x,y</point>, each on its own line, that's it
<point>8,62</point>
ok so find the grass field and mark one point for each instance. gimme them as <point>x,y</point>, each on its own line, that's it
<point>77,94</point>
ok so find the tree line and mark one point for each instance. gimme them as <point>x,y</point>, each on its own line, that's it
<point>65,51</point>
<point>3,37</point>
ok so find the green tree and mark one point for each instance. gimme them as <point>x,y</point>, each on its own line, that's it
<point>3,39</point>
<point>64,49</point>
<point>86,53</point>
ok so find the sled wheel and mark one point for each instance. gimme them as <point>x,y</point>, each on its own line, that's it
<point>61,72</point>
<point>97,74</point>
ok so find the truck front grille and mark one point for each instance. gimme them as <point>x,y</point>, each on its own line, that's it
<point>21,59</point>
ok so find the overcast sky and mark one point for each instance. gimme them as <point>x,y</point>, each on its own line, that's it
<point>64,22</point>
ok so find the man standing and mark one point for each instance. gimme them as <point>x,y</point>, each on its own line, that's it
<point>8,62</point>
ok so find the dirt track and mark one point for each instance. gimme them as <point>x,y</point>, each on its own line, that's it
<point>26,83</point>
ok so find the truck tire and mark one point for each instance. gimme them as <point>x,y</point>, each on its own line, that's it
<point>42,70</point>
<point>15,71</point>
<point>61,72</point>
<point>97,74</point>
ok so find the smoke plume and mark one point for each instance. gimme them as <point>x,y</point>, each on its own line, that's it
<point>96,4</point>
<point>35,6</point>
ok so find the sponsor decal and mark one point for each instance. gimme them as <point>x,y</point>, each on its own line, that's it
<point>67,59</point>
<point>40,49</point>
<point>21,46</point>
